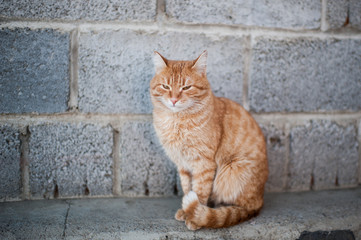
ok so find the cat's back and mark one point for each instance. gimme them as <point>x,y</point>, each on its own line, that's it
<point>234,114</point>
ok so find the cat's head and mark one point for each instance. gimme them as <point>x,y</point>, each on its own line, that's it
<point>180,85</point>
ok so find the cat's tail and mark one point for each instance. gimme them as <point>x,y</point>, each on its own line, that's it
<point>198,215</point>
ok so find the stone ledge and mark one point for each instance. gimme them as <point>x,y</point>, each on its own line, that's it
<point>284,216</point>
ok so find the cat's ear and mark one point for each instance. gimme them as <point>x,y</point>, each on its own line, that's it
<point>200,64</point>
<point>159,61</point>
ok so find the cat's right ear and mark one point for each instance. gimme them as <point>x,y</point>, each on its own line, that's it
<point>159,61</point>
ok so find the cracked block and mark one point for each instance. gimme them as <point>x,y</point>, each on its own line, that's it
<point>276,140</point>
<point>336,13</point>
<point>10,180</point>
<point>323,155</point>
<point>145,169</point>
<point>67,160</point>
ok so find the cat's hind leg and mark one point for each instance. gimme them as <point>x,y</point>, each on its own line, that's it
<point>240,183</point>
<point>231,180</point>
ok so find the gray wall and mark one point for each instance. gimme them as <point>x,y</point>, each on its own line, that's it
<point>75,113</point>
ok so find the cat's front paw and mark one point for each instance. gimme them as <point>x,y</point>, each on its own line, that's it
<point>191,225</point>
<point>180,215</point>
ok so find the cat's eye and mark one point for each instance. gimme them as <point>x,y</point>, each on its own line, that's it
<point>165,86</point>
<point>186,88</point>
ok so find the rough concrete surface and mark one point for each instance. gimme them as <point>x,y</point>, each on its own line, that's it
<point>79,10</point>
<point>10,180</point>
<point>337,13</point>
<point>355,13</point>
<point>277,146</point>
<point>305,75</point>
<point>33,71</point>
<point>145,168</point>
<point>277,14</point>
<point>70,160</point>
<point>284,216</point>
<point>323,155</point>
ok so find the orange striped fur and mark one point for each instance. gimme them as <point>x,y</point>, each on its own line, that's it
<point>217,146</point>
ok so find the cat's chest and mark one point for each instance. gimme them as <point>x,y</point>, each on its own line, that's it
<point>176,136</point>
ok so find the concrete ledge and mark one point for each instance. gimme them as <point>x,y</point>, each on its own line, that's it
<point>284,216</point>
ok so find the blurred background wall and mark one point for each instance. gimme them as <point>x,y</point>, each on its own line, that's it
<point>75,112</point>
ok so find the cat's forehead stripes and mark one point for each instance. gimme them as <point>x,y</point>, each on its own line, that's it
<point>178,75</point>
<point>177,79</point>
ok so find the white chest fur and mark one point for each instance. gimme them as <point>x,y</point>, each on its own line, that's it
<point>174,137</point>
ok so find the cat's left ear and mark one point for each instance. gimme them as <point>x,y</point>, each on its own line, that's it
<point>159,61</point>
<point>200,64</point>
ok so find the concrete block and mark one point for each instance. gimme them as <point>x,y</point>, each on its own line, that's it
<point>336,13</point>
<point>355,14</point>
<point>93,10</point>
<point>145,169</point>
<point>323,155</point>
<point>276,14</point>
<point>34,71</point>
<point>10,173</point>
<point>67,159</point>
<point>359,150</point>
<point>277,147</point>
<point>348,162</point>
<point>305,75</point>
<point>115,68</point>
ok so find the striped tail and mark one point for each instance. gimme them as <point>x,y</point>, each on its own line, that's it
<point>198,215</point>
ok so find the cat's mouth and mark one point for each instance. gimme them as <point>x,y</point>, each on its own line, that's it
<point>175,107</point>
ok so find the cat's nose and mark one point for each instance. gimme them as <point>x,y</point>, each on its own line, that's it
<point>174,100</point>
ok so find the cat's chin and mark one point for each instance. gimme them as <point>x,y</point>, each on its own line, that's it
<point>175,109</point>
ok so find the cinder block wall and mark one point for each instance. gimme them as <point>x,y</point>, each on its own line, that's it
<point>75,112</point>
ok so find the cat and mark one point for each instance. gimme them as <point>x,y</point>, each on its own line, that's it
<point>217,146</point>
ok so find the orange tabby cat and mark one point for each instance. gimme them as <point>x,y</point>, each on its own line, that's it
<point>217,146</point>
